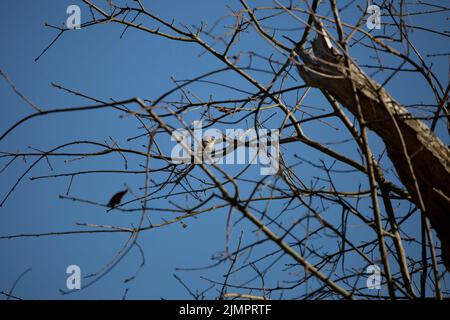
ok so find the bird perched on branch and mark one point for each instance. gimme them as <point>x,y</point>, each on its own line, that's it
<point>116,199</point>
<point>203,153</point>
<point>208,145</point>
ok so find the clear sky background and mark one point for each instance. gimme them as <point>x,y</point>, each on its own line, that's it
<point>96,62</point>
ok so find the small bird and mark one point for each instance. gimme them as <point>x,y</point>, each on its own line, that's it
<point>208,147</point>
<point>202,153</point>
<point>208,143</point>
<point>115,199</point>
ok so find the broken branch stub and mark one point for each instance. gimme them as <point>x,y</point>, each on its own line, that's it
<point>325,68</point>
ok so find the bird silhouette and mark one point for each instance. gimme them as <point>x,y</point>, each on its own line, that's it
<point>116,198</point>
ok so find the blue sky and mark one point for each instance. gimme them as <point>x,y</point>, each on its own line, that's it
<point>96,62</point>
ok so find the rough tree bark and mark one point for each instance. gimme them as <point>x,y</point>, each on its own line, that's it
<point>325,68</point>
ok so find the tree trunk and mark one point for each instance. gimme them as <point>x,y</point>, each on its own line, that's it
<point>324,68</point>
